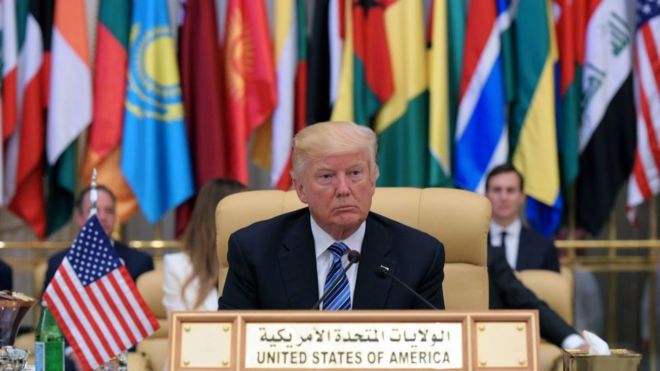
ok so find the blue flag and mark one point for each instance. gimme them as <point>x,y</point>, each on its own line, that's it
<point>155,156</point>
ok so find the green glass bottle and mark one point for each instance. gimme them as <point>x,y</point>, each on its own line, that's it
<point>49,345</point>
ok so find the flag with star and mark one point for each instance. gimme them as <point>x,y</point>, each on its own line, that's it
<point>644,180</point>
<point>94,300</point>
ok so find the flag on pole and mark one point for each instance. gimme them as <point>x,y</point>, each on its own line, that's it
<point>324,60</point>
<point>402,122</point>
<point>95,301</point>
<point>35,24</point>
<point>201,84</point>
<point>481,132</point>
<point>155,157</point>
<point>439,172</point>
<point>289,115</point>
<point>645,178</point>
<point>607,136</point>
<point>373,68</point>
<point>109,90</point>
<point>70,106</point>
<point>533,127</point>
<point>344,103</point>
<point>9,69</point>
<point>250,85</point>
<point>569,26</point>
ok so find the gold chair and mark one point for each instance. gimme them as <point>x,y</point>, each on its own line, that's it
<point>458,218</point>
<point>150,285</point>
<point>556,290</point>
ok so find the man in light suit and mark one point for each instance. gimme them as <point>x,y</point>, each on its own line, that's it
<point>287,262</point>
<point>523,247</point>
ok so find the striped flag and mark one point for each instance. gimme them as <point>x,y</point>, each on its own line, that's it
<point>533,127</point>
<point>645,178</point>
<point>9,69</point>
<point>402,122</point>
<point>35,25</point>
<point>95,301</point>
<point>481,133</point>
<point>324,59</point>
<point>439,118</point>
<point>289,116</point>
<point>569,26</point>
<point>373,70</point>
<point>109,91</point>
<point>250,83</point>
<point>344,102</point>
<point>607,136</point>
<point>9,97</point>
<point>70,106</point>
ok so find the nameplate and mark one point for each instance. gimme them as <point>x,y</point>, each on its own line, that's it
<point>354,340</point>
<point>397,345</point>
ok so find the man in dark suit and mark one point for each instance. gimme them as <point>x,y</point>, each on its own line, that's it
<point>523,247</point>
<point>290,261</point>
<point>6,278</point>
<point>137,262</point>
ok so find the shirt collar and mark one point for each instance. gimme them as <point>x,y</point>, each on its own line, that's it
<point>512,229</point>
<point>323,240</point>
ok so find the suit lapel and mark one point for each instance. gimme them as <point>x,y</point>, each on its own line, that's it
<point>522,261</point>
<point>297,261</point>
<point>371,291</point>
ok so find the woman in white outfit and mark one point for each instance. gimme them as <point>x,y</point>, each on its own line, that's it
<point>190,279</point>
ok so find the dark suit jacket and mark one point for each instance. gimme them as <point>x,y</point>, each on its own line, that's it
<point>272,265</point>
<point>507,292</point>
<point>535,251</point>
<point>6,278</point>
<point>137,262</point>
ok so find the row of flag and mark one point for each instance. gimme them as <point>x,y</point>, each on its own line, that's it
<point>452,90</point>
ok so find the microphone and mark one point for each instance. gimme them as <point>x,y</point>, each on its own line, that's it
<point>353,257</point>
<point>384,271</point>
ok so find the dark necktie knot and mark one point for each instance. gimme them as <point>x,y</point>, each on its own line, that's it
<point>503,239</point>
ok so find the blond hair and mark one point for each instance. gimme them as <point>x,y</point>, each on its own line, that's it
<point>333,138</point>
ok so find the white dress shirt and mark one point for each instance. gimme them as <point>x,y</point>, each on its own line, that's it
<point>512,239</point>
<point>322,240</point>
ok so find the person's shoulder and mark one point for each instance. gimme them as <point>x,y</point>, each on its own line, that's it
<point>132,254</point>
<point>535,236</point>
<point>57,258</point>
<point>4,267</point>
<point>175,259</point>
<point>278,222</point>
<point>395,228</point>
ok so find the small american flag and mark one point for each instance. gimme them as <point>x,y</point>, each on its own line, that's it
<point>645,178</point>
<point>95,301</point>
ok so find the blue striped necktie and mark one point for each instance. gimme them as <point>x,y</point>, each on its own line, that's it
<point>340,297</point>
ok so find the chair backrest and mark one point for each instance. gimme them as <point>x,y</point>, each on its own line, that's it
<point>556,289</point>
<point>457,218</point>
<point>150,286</point>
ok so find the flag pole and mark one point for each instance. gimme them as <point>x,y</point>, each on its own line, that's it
<point>93,194</point>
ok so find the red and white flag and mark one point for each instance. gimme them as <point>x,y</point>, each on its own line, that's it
<point>94,300</point>
<point>644,181</point>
